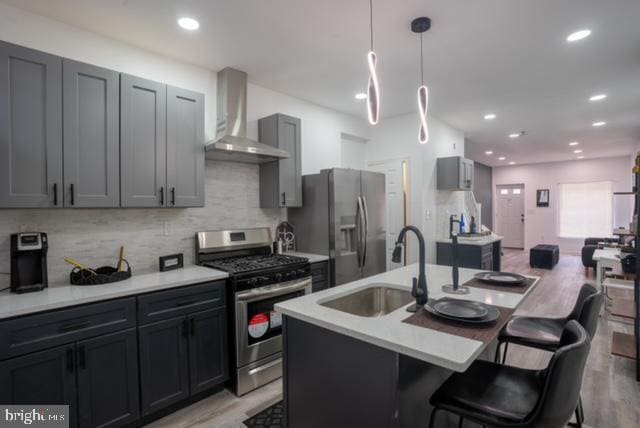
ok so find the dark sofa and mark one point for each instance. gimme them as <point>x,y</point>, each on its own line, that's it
<point>590,246</point>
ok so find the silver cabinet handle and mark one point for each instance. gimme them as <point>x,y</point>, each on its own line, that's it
<point>359,227</point>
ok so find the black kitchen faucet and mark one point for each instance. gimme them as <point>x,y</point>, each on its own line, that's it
<point>419,290</point>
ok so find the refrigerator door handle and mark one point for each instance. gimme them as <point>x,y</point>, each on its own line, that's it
<point>359,229</point>
<point>365,211</point>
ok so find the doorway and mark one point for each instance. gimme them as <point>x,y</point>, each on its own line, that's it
<point>396,173</point>
<point>510,214</point>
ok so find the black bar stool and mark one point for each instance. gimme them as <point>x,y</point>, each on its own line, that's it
<point>544,333</point>
<point>502,396</point>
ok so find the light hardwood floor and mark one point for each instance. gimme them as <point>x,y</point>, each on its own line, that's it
<point>610,392</point>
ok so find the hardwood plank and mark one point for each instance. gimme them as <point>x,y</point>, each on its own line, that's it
<point>623,345</point>
<point>623,308</point>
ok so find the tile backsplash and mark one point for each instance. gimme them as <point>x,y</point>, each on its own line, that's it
<point>94,236</point>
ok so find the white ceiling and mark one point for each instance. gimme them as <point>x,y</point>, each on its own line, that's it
<point>509,57</point>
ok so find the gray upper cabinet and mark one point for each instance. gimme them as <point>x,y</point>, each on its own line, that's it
<point>142,142</point>
<point>30,128</point>
<point>185,148</point>
<point>91,140</point>
<point>455,173</point>
<point>281,181</point>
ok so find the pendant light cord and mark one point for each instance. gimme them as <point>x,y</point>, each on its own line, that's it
<point>371,21</point>
<point>421,62</point>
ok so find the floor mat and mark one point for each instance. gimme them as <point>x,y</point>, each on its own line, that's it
<point>271,417</point>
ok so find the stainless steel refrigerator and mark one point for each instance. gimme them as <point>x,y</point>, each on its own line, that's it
<point>343,215</point>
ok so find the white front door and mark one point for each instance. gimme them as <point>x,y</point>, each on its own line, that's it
<point>510,215</point>
<point>396,173</point>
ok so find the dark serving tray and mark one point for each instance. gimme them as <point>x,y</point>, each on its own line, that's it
<point>501,278</point>
<point>492,315</point>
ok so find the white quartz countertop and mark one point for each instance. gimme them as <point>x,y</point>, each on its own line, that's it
<point>479,241</point>
<point>435,347</point>
<point>313,258</point>
<point>63,295</point>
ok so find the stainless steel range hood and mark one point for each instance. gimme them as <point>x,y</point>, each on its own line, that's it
<point>231,142</point>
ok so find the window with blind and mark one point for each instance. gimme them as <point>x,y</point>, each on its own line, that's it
<point>585,209</point>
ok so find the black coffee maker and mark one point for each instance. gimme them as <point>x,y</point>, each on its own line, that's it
<point>28,262</point>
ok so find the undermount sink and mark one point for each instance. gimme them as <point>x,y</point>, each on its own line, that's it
<point>374,301</point>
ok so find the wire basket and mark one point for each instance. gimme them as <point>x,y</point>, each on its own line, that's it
<point>103,275</point>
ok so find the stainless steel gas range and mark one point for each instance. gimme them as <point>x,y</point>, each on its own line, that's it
<point>258,280</point>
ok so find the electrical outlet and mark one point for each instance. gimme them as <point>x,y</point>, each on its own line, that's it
<point>167,228</point>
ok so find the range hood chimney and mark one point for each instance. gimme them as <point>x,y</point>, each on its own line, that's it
<point>231,142</point>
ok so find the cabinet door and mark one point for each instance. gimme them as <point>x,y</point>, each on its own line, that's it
<point>108,380</point>
<point>164,364</point>
<point>290,169</point>
<point>185,148</point>
<point>30,128</point>
<point>467,167</point>
<point>208,363</point>
<point>91,140</point>
<point>142,142</point>
<point>46,377</point>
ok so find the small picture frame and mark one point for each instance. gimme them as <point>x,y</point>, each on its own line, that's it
<point>542,198</point>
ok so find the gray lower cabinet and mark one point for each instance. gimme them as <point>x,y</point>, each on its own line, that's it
<point>46,377</point>
<point>208,353</point>
<point>281,181</point>
<point>108,380</point>
<point>319,276</point>
<point>483,257</point>
<point>184,350</point>
<point>185,148</point>
<point>164,364</point>
<point>143,142</point>
<point>30,128</point>
<point>91,140</point>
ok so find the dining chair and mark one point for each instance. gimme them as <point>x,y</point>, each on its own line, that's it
<point>497,395</point>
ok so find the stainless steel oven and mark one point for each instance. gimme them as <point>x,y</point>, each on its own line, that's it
<point>259,332</point>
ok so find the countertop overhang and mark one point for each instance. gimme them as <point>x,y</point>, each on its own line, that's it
<point>389,332</point>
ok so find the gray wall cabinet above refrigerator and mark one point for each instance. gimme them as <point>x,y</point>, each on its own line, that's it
<point>455,173</point>
<point>79,136</point>
<point>281,181</point>
<point>30,128</point>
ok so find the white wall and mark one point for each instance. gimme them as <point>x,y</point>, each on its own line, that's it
<point>398,138</point>
<point>321,127</point>
<point>541,223</point>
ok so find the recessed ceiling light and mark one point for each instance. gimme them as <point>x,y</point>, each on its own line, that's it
<point>577,151</point>
<point>578,35</point>
<point>597,124</point>
<point>512,163</point>
<point>360,96</point>
<point>580,157</point>
<point>188,23</point>
<point>501,158</point>
<point>514,135</point>
<point>488,152</point>
<point>598,97</point>
<point>489,116</point>
<point>573,143</point>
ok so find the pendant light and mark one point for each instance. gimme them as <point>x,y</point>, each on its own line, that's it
<point>373,91</point>
<point>421,26</point>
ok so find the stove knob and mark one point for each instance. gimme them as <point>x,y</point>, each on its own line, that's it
<point>252,282</point>
<point>301,273</point>
<point>263,280</point>
<point>278,277</point>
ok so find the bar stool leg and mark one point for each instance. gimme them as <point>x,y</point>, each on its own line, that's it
<point>432,419</point>
<point>504,354</point>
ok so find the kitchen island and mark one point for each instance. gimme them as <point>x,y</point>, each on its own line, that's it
<point>347,370</point>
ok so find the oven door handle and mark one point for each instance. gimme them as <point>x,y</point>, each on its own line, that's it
<point>252,295</point>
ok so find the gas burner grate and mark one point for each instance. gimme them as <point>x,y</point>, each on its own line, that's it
<point>250,263</point>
